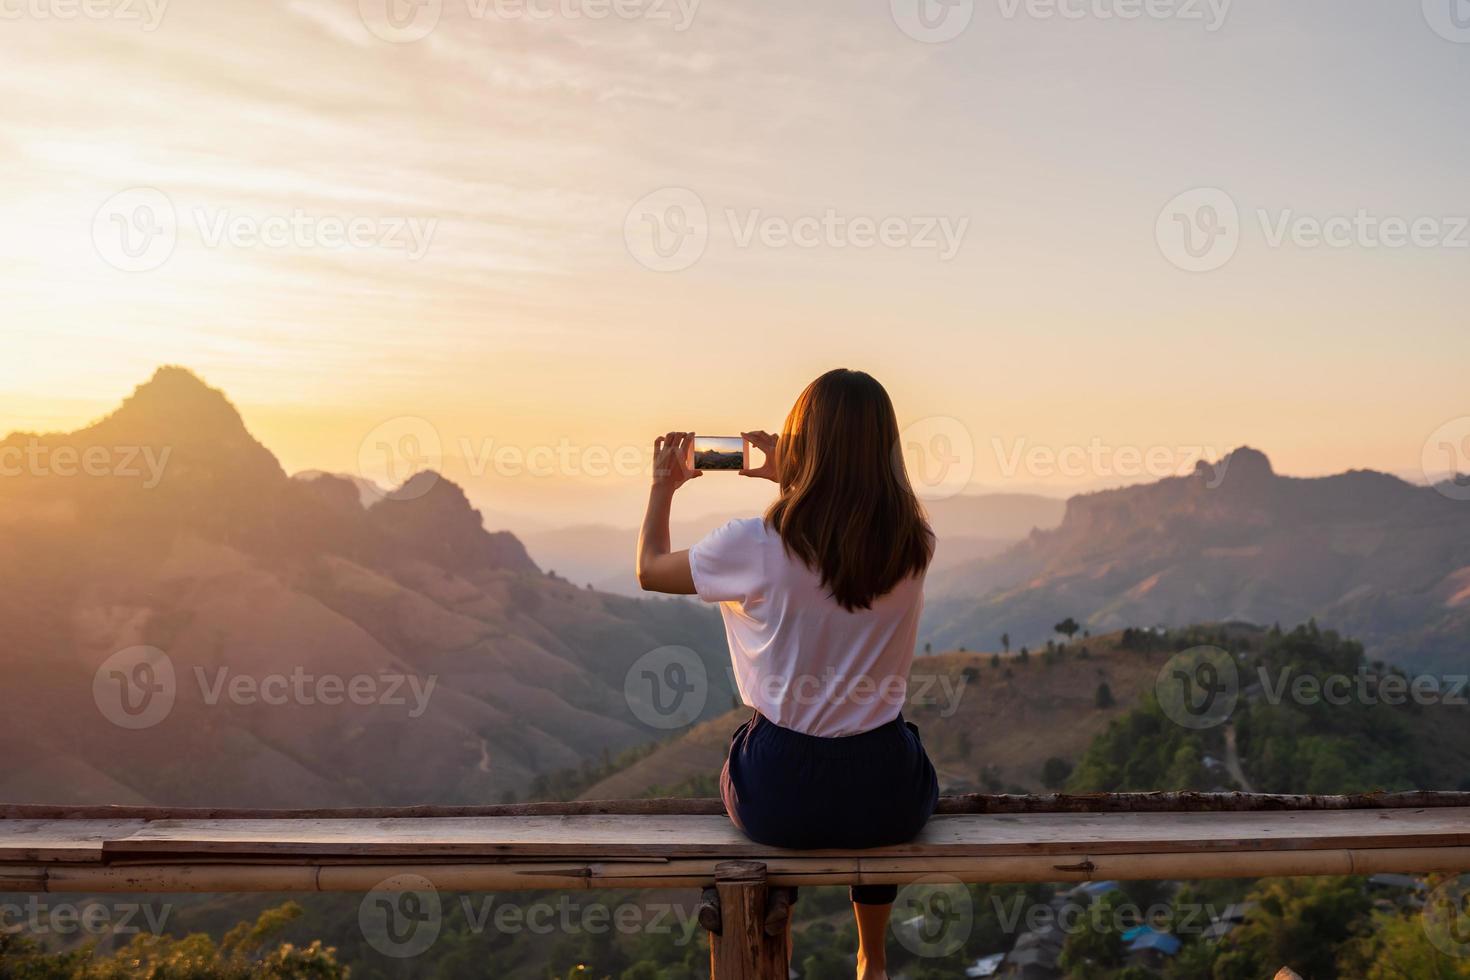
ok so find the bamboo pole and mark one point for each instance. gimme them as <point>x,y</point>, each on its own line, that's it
<point>693,872</point>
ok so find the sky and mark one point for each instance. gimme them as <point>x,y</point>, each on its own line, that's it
<point>1084,231</point>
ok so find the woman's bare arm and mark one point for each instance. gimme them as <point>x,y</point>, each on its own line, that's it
<point>659,569</point>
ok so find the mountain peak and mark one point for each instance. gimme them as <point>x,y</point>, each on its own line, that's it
<point>431,517</point>
<point>1243,467</point>
<point>176,391</point>
<point>198,424</point>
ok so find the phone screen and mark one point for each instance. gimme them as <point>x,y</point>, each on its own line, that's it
<point>719,452</point>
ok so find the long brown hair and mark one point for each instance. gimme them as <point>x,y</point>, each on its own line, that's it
<point>846,507</point>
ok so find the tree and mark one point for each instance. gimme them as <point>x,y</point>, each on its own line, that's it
<point>928,649</point>
<point>1104,696</point>
<point>1054,772</point>
<point>1398,946</point>
<point>1005,642</point>
<point>249,951</point>
<point>1024,656</point>
<point>1298,922</point>
<point>995,660</point>
<point>1067,627</point>
<point>1090,951</point>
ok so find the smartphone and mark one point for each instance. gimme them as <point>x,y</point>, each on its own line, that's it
<point>730,453</point>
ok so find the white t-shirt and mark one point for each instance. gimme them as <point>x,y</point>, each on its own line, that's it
<point>800,659</point>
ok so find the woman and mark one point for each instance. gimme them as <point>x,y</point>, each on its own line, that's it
<point>821,602</point>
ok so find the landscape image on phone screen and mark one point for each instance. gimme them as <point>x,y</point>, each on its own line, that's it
<point>719,452</point>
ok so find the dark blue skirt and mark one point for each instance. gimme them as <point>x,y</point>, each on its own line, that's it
<point>787,789</point>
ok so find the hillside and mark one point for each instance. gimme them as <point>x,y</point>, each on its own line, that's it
<point>1009,716</point>
<point>1013,714</point>
<point>1363,552</point>
<point>253,582</point>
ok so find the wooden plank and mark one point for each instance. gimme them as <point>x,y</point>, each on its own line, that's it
<point>708,836</point>
<point>49,840</point>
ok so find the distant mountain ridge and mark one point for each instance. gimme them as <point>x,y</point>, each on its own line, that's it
<point>1363,552</point>
<point>969,526</point>
<point>213,555</point>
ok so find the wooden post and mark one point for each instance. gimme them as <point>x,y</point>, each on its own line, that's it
<point>742,950</point>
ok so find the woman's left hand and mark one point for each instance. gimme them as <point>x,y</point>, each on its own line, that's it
<point>766,443</point>
<point>671,469</point>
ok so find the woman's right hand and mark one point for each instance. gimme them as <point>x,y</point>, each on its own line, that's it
<point>766,443</point>
<point>671,469</point>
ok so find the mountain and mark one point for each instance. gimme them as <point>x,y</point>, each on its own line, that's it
<point>1364,552</point>
<point>969,526</point>
<point>278,603</point>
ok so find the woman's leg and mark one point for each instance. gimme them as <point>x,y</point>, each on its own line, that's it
<point>871,905</point>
